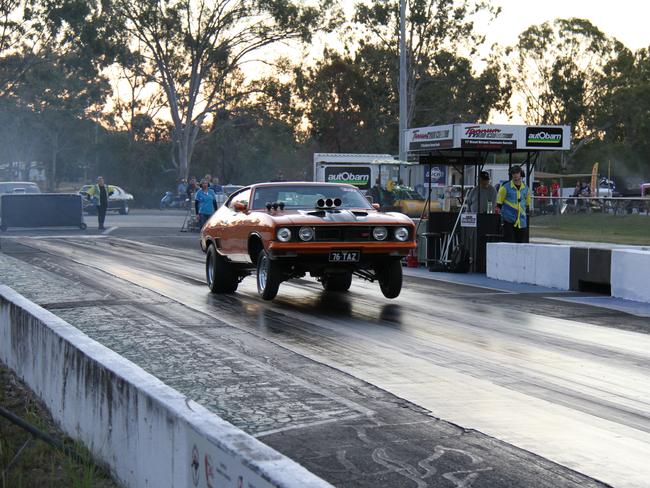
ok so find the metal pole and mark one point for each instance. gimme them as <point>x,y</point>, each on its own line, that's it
<point>402,81</point>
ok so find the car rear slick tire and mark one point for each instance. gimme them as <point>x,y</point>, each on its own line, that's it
<point>338,282</point>
<point>219,273</point>
<point>269,276</point>
<point>390,278</point>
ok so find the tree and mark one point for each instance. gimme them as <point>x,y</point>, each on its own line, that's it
<point>59,89</point>
<point>624,110</point>
<point>438,33</point>
<point>556,69</point>
<point>350,100</point>
<point>194,45</point>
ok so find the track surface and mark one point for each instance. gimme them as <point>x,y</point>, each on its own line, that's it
<point>352,385</point>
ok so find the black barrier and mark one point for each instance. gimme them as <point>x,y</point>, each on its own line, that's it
<point>41,210</point>
<point>473,239</point>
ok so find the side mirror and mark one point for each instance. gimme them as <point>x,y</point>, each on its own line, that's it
<point>369,198</point>
<point>376,206</point>
<point>239,206</point>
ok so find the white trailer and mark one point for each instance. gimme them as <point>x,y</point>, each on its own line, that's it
<point>360,170</point>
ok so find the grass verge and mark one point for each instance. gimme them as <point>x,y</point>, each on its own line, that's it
<point>617,229</point>
<point>26,462</point>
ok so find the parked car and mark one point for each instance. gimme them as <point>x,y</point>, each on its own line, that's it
<point>118,200</point>
<point>18,187</point>
<point>286,230</point>
<point>227,190</point>
<point>14,187</point>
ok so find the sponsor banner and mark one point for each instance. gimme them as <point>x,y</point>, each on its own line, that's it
<point>425,138</point>
<point>545,137</point>
<point>358,176</point>
<point>438,175</point>
<point>468,220</point>
<point>484,136</point>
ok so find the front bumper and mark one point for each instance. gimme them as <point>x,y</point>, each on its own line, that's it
<point>316,250</point>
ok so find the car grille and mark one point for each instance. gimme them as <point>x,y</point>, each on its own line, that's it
<point>343,234</point>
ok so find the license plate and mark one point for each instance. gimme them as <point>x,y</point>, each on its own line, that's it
<point>344,256</point>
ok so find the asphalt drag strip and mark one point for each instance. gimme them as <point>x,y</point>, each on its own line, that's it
<point>237,355</point>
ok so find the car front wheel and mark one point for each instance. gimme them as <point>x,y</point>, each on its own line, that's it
<point>124,210</point>
<point>390,278</point>
<point>219,273</point>
<point>269,276</point>
<point>337,282</point>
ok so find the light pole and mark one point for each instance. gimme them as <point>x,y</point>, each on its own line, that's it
<point>402,80</point>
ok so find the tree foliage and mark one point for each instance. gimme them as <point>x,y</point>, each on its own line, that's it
<point>556,69</point>
<point>195,45</point>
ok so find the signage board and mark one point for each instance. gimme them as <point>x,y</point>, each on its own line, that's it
<point>468,220</point>
<point>438,175</point>
<point>435,137</point>
<point>358,176</point>
<point>487,136</point>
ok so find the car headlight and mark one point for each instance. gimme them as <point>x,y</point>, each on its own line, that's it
<point>401,234</point>
<point>379,233</point>
<point>306,233</point>
<point>283,234</point>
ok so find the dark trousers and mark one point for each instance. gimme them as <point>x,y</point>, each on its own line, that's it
<point>101,215</point>
<point>514,234</point>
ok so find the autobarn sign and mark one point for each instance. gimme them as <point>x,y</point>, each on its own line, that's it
<point>358,176</point>
<point>544,136</point>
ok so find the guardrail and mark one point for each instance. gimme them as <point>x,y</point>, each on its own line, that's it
<point>609,205</point>
<point>147,433</point>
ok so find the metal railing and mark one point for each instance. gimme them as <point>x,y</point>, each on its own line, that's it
<point>605,205</point>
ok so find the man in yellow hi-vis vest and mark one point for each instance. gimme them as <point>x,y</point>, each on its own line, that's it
<point>513,202</point>
<point>99,194</point>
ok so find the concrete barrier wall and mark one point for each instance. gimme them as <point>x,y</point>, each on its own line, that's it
<point>536,264</point>
<point>630,274</point>
<point>146,432</point>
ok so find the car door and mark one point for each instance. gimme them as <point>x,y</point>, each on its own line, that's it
<point>233,235</point>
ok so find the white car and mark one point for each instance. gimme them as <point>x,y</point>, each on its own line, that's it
<point>118,201</point>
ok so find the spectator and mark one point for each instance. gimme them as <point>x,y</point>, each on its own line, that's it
<point>191,188</point>
<point>205,199</point>
<point>375,192</point>
<point>555,194</point>
<point>542,196</point>
<point>487,194</point>
<point>215,186</point>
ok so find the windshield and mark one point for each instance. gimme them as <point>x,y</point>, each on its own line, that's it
<point>306,196</point>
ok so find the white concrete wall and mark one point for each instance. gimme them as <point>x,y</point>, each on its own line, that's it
<point>630,274</point>
<point>147,433</point>
<point>535,264</point>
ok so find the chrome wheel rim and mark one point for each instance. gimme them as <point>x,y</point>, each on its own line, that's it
<point>210,269</point>
<point>262,272</point>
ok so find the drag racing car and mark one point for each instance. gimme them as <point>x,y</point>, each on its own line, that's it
<point>285,230</point>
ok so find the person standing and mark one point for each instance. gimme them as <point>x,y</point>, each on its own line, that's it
<point>542,196</point>
<point>513,202</point>
<point>486,193</point>
<point>205,200</point>
<point>99,194</point>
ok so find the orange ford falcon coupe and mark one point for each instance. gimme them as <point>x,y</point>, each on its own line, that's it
<point>286,230</point>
